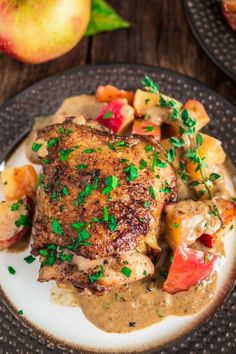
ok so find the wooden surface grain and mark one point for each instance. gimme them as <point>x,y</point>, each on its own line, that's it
<point>159,35</point>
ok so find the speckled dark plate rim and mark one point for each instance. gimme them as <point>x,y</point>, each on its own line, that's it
<point>229,283</point>
<point>198,37</point>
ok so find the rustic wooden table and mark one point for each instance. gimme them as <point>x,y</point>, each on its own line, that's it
<point>159,36</point>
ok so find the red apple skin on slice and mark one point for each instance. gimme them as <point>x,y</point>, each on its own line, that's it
<point>145,127</point>
<point>207,240</point>
<point>117,116</point>
<point>188,267</point>
<point>9,232</point>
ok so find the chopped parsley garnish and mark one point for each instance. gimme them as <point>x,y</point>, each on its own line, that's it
<point>149,148</point>
<point>166,188</point>
<point>49,255</point>
<point>68,131</point>
<point>40,180</point>
<point>126,271</point>
<point>105,213</point>
<point>65,190</point>
<point>61,130</point>
<point>171,259</point>
<point>15,206</point>
<point>87,191</point>
<point>97,275</point>
<point>161,164</point>
<point>152,192</point>
<point>145,273</point>
<point>23,221</point>
<point>35,147</point>
<point>78,225</point>
<point>132,172</point>
<point>20,312</point>
<point>65,257</point>
<point>118,144</point>
<point>124,160</point>
<point>81,239</point>
<point>148,83</point>
<point>148,129</point>
<point>147,204</point>
<point>44,161</point>
<point>11,270</point>
<point>111,183</point>
<point>146,100</point>
<point>175,225</point>
<point>81,166</point>
<point>108,114</point>
<point>207,257</point>
<point>29,259</point>
<point>122,143</point>
<point>142,164</point>
<point>234,199</point>
<point>111,146</point>
<point>89,151</point>
<point>52,142</point>
<point>56,227</point>
<point>64,154</point>
<point>112,223</point>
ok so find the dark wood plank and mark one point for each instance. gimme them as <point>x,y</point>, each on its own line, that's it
<point>159,35</point>
<point>15,76</point>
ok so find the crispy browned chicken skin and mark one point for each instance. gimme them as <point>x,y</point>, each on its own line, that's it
<point>80,165</point>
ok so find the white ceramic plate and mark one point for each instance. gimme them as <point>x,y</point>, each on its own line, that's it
<point>69,324</point>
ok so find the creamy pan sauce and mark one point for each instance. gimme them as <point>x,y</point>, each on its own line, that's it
<point>139,305</point>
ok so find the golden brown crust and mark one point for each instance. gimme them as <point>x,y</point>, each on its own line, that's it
<point>135,222</point>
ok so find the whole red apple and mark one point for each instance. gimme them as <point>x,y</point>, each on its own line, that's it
<point>35,31</point>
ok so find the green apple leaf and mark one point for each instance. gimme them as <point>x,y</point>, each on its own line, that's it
<point>104,18</point>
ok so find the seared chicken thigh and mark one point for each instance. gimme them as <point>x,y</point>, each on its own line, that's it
<point>99,196</point>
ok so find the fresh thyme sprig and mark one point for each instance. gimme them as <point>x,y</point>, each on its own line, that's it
<point>150,85</point>
<point>187,127</point>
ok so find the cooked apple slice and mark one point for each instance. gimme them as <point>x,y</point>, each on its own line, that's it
<point>117,116</point>
<point>212,152</point>
<point>111,93</point>
<point>19,181</point>
<point>15,220</point>
<point>197,112</point>
<point>187,220</point>
<point>145,127</point>
<point>189,266</point>
<point>143,100</point>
